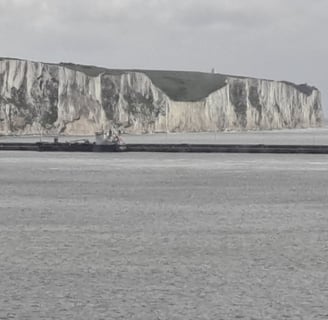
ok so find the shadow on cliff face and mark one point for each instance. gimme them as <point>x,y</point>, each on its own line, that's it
<point>304,88</point>
<point>238,97</point>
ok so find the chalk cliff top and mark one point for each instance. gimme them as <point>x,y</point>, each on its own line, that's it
<point>178,85</point>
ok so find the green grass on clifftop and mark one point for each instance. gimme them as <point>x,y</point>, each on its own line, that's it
<point>178,85</point>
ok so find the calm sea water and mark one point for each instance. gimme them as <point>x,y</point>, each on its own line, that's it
<point>311,136</point>
<point>163,236</point>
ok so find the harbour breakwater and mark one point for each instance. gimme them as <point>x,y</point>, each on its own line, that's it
<point>168,148</point>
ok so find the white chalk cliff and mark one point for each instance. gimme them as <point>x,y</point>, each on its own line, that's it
<point>75,99</point>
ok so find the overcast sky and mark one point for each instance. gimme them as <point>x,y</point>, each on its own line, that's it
<point>273,39</point>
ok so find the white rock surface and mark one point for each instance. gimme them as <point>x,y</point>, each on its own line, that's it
<point>37,97</point>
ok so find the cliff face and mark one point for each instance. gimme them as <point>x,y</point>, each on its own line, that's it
<point>74,99</point>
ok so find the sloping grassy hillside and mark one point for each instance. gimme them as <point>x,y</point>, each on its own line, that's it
<point>178,85</point>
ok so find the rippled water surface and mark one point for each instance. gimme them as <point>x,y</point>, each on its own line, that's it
<point>163,236</point>
<point>309,136</point>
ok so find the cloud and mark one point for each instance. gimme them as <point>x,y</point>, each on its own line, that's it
<point>145,16</point>
<point>184,13</point>
<point>205,14</point>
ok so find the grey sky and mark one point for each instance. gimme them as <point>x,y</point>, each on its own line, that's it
<point>273,39</point>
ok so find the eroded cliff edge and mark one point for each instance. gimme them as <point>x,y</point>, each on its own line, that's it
<point>75,99</point>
